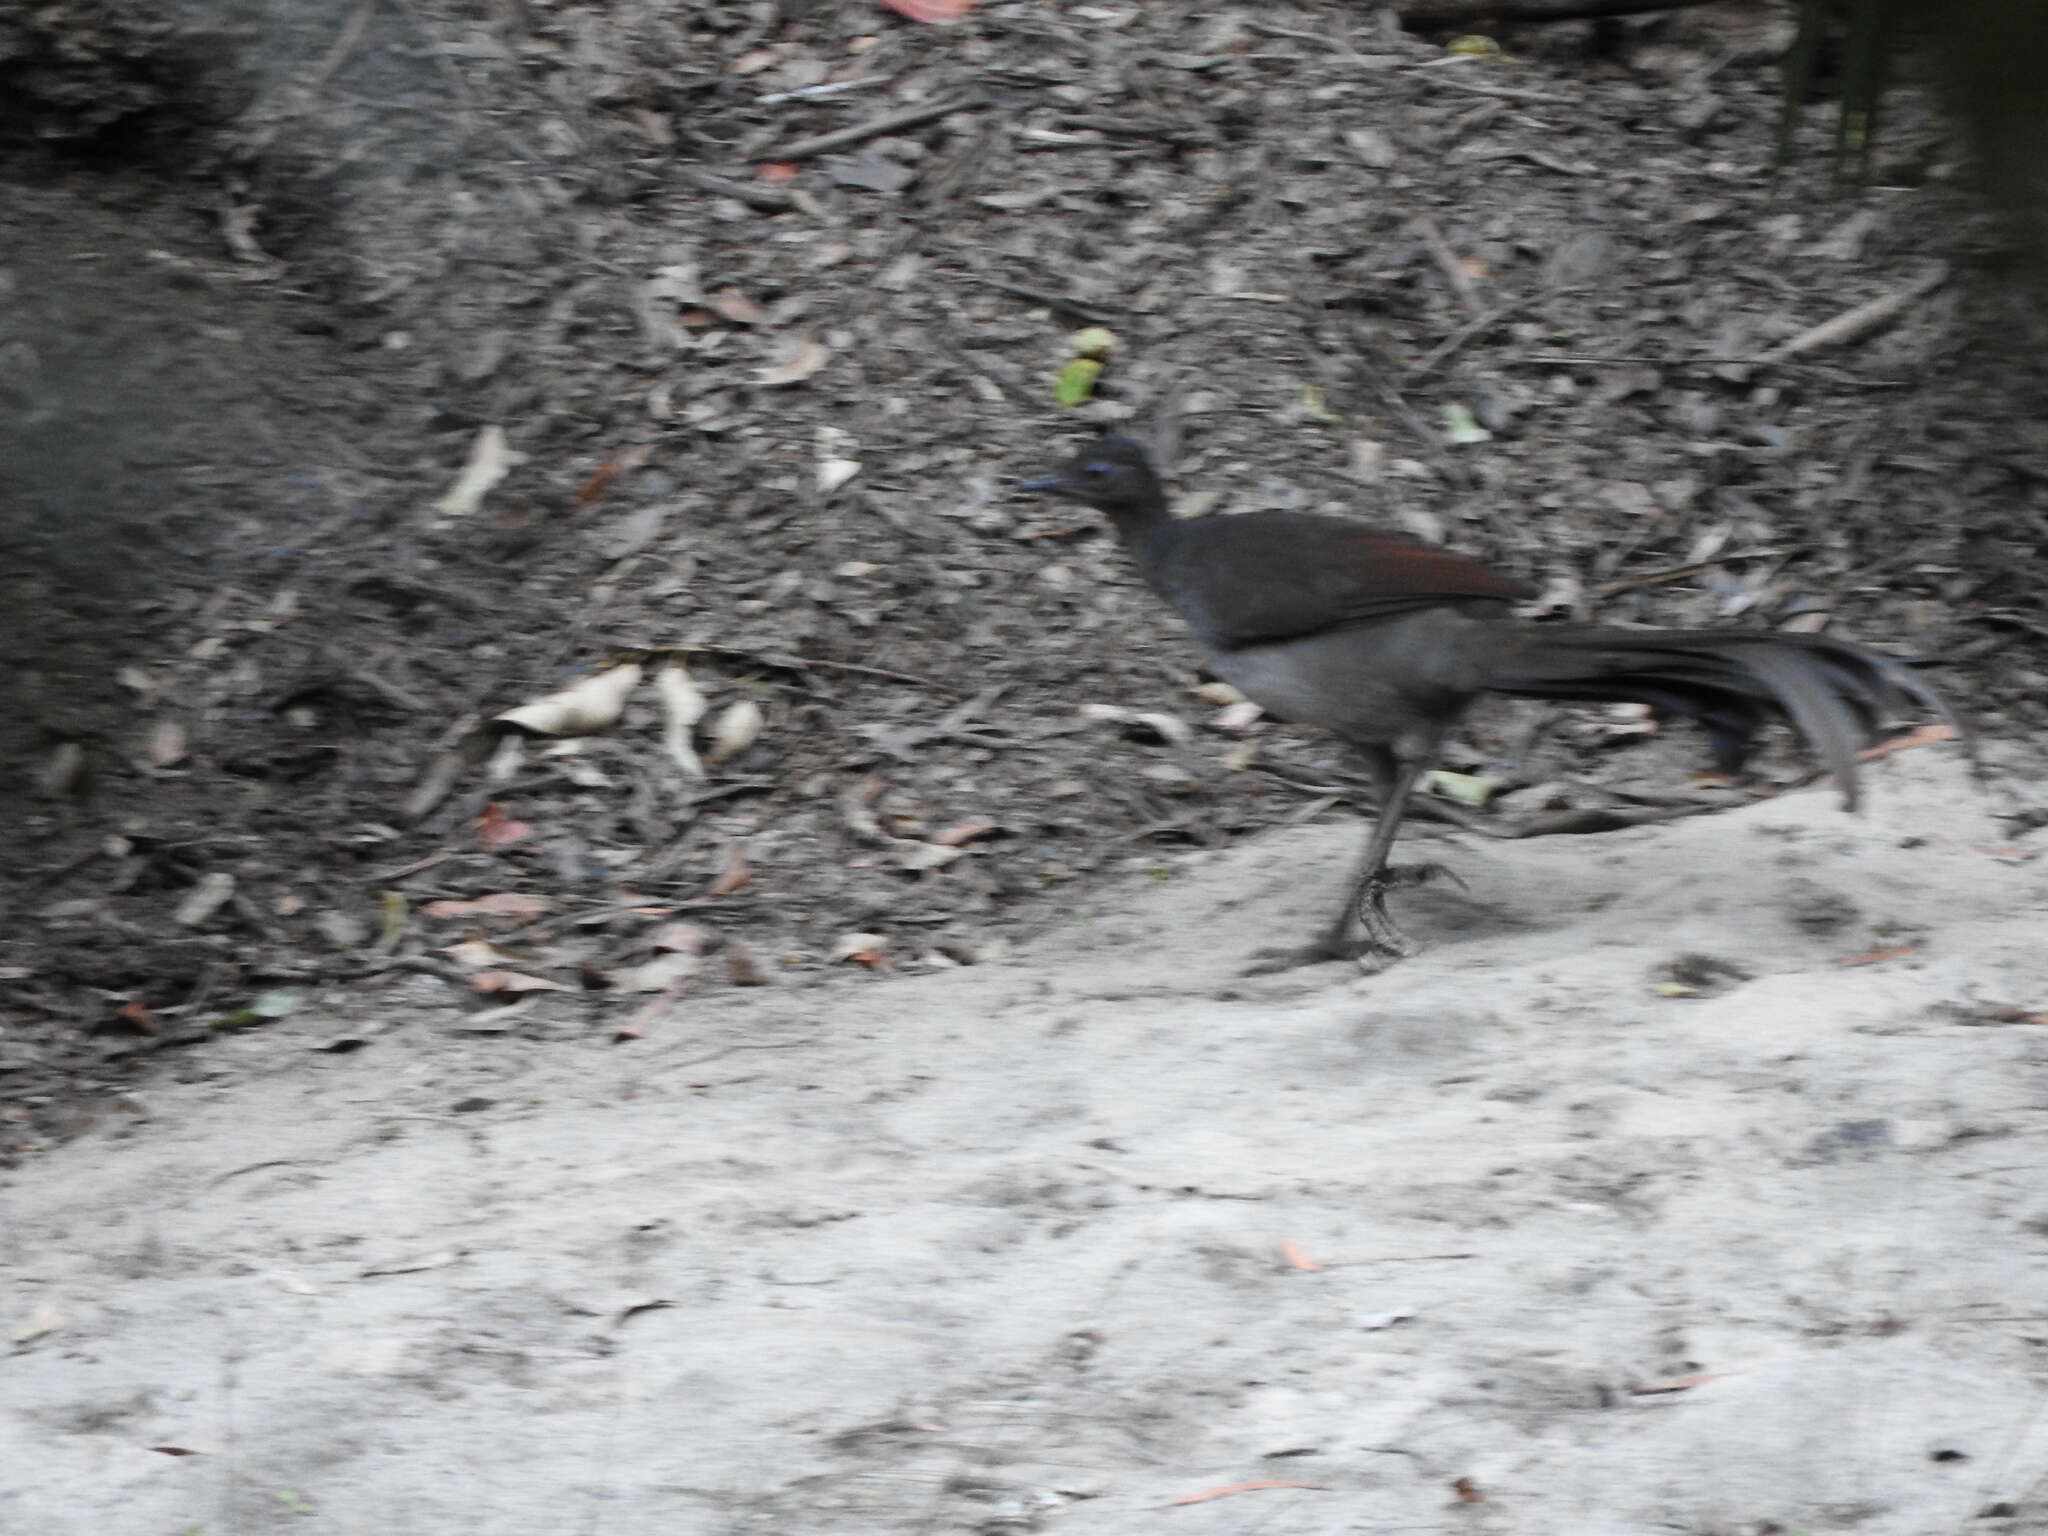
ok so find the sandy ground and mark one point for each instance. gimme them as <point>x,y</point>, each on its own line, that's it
<point>1028,1246</point>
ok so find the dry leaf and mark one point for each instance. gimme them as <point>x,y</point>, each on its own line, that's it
<point>861,948</point>
<point>489,460</point>
<point>1876,956</point>
<point>496,828</point>
<point>733,873</point>
<point>797,363</point>
<point>1297,1257</point>
<point>966,832</point>
<point>166,743</point>
<point>47,1318</point>
<point>682,706</point>
<point>1926,735</point>
<point>1677,1384</point>
<point>1224,1492</point>
<point>208,897</point>
<point>439,1260</point>
<point>502,904</point>
<point>736,307</point>
<point>741,968</point>
<point>659,974</point>
<point>736,730</point>
<point>512,981</point>
<point>590,704</point>
<point>930,10</point>
<point>478,954</point>
<point>689,938</point>
<point>64,770</point>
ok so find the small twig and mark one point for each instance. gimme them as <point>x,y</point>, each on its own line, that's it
<point>1864,320</point>
<point>1085,313</point>
<point>1533,156</point>
<point>874,128</point>
<point>1447,12</point>
<point>767,199</point>
<point>772,1045</point>
<point>345,43</point>
<point>1464,333</point>
<point>1447,262</point>
<point>790,663</point>
<point>830,88</point>
<point>1680,572</point>
<point>1433,71</point>
<point>1398,1258</point>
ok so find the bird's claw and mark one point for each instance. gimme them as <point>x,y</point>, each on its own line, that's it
<point>1371,955</point>
<point>1379,945</point>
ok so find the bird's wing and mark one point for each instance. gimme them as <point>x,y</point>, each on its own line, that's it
<point>1261,577</point>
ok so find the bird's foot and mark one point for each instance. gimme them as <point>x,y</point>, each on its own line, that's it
<point>1380,943</point>
<point>1370,954</point>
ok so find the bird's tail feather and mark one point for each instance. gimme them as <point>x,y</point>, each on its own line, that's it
<point>1837,695</point>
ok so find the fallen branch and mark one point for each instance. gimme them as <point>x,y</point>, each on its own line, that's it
<point>1864,320</point>
<point>874,128</point>
<point>1435,13</point>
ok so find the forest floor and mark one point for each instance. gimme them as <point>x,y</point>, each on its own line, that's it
<point>869,1131</point>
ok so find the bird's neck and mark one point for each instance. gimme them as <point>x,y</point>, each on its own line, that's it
<point>1141,523</point>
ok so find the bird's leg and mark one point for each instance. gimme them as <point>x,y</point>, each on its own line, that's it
<point>1365,902</point>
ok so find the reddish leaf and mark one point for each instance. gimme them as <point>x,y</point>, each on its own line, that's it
<point>930,10</point>
<point>775,170</point>
<point>513,981</point>
<point>503,904</point>
<point>496,828</point>
<point>1224,1492</point>
<point>733,873</point>
<point>1297,1257</point>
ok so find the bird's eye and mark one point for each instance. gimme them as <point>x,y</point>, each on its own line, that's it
<point>1096,469</point>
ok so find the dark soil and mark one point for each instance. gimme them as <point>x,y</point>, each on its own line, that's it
<point>263,280</point>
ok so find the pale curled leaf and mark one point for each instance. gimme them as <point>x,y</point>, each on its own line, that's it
<point>166,744</point>
<point>797,364</point>
<point>514,981</point>
<point>658,974</point>
<point>501,904</point>
<point>914,855</point>
<point>687,938</point>
<point>1463,788</point>
<point>47,1318</point>
<point>490,459</point>
<point>737,729</point>
<point>930,10</point>
<point>863,948</point>
<point>585,706</point>
<point>478,954</point>
<point>206,898</point>
<point>682,706</point>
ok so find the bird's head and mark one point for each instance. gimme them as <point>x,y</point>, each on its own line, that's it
<point>1111,474</point>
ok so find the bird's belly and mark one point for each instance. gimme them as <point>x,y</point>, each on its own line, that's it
<point>1377,683</point>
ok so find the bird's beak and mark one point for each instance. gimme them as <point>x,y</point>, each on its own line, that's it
<point>1040,485</point>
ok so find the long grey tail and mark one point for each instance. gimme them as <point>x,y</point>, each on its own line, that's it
<point>1839,696</point>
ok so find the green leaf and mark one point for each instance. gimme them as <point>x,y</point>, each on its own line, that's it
<point>1464,788</point>
<point>1461,427</point>
<point>1096,341</point>
<point>1076,381</point>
